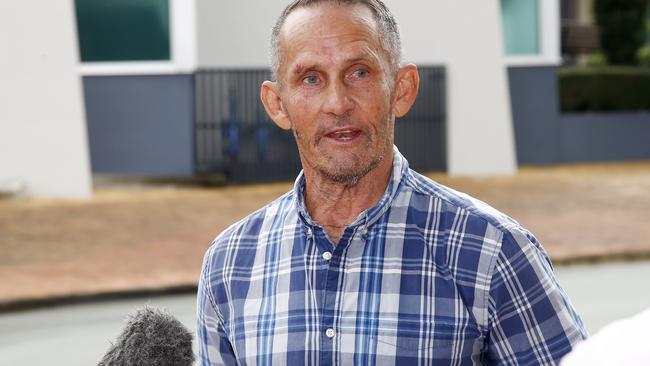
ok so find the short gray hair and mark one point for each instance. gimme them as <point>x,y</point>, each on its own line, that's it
<point>388,30</point>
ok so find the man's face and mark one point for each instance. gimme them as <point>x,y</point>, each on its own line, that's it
<point>336,88</point>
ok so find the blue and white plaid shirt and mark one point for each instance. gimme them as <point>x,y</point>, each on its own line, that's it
<point>428,276</point>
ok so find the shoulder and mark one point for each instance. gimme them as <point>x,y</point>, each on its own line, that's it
<point>244,234</point>
<point>474,222</point>
<point>455,202</point>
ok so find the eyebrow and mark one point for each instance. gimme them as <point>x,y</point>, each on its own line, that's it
<point>301,67</point>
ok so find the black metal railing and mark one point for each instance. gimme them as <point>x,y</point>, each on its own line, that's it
<point>235,137</point>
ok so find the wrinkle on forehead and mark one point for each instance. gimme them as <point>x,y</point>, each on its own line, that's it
<point>307,25</point>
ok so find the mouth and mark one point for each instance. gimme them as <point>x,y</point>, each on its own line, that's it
<point>343,135</point>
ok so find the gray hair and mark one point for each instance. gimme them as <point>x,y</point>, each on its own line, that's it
<point>388,30</point>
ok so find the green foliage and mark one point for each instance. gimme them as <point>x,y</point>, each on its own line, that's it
<point>621,26</point>
<point>608,88</point>
<point>644,56</point>
<point>596,59</point>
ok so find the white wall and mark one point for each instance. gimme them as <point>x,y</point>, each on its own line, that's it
<point>466,37</point>
<point>43,139</point>
<point>235,33</point>
<point>463,35</point>
<point>585,12</point>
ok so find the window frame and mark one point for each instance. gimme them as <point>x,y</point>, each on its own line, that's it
<point>549,38</point>
<point>183,51</point>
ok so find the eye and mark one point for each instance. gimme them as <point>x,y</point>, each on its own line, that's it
<point>311,79</point>
<point>361,73</point>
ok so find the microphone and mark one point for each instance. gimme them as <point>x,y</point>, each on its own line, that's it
<point>151,337</point>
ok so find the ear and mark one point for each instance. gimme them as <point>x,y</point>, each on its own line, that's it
<point>406,89</point>
<point>270,96</point>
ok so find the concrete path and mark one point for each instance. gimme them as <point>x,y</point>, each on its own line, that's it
<point>80,334</point>
<point>605,292</point>
<point>77,334</point>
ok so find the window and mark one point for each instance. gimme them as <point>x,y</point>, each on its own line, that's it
<point>521,26</point>
<point>123,30</point>
<point>531,32</point>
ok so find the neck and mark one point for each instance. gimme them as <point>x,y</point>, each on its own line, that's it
<point>334,205</point>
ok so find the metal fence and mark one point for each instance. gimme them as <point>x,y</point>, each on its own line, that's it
<point>421,134</point>
<point>235,137</point>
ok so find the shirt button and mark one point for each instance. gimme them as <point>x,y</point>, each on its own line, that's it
<point>329,333</point>
<point>327,256</point>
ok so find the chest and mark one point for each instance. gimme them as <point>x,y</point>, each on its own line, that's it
<point>378,299</point>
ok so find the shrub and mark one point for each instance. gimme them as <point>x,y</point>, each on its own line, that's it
<point>596,59</point>
<point>644,56</point>
<point>604,89</point>
<point>621,29</point>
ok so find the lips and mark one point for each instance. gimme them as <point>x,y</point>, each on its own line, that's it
<point>343,134</point>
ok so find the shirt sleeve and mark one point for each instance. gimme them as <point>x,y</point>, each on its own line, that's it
<point>530,318</point>
<point>214,346</point>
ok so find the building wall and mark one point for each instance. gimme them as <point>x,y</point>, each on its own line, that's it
<point>43,138</point>
<point>535,114</point>
<point>235,33</point>
<point>605,136</point>
<point>546,136</point>
<point>141,125</point>
<point>585,12</point>
<point>479,132</point>
<point>469,44</point>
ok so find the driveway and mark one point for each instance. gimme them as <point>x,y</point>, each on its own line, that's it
<point>134,236</point>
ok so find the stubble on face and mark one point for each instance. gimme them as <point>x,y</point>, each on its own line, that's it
<point>349,174</point>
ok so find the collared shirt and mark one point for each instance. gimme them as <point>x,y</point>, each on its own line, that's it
<point>428,276</point>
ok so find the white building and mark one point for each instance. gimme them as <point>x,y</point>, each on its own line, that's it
<point>139,61</point>
<point>43,143</point>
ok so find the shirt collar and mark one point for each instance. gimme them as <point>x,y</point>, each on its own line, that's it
<point>369,216</point>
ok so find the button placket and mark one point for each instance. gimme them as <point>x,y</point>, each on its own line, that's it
<point>364,233</point>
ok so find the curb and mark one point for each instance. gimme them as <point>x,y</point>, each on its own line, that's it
<point>72,299</point>
<point>642,255</point>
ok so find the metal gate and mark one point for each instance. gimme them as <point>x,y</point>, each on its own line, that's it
<point>235,137</point>
<point>421,134</point>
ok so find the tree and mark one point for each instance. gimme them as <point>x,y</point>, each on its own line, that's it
<point>621,26</point>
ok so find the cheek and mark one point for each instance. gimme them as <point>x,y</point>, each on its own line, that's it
<point>301,105</point>
<point>302,119</point>
<point>376,96</point>
<point>296,109</point>
<point>377,108</point>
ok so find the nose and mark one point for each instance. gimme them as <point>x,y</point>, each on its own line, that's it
<point>337,100</point>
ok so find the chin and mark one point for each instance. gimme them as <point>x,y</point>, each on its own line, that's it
<point>351,174</point>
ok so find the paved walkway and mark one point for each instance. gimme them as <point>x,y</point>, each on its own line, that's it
<point>142,237</point>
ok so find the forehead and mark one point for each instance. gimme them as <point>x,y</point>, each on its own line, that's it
<point>329,12</point>
<point>328,27</point>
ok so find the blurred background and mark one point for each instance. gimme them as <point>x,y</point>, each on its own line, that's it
<point>131,134</point>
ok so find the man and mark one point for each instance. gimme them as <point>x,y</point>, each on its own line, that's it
<point>365,261</point>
